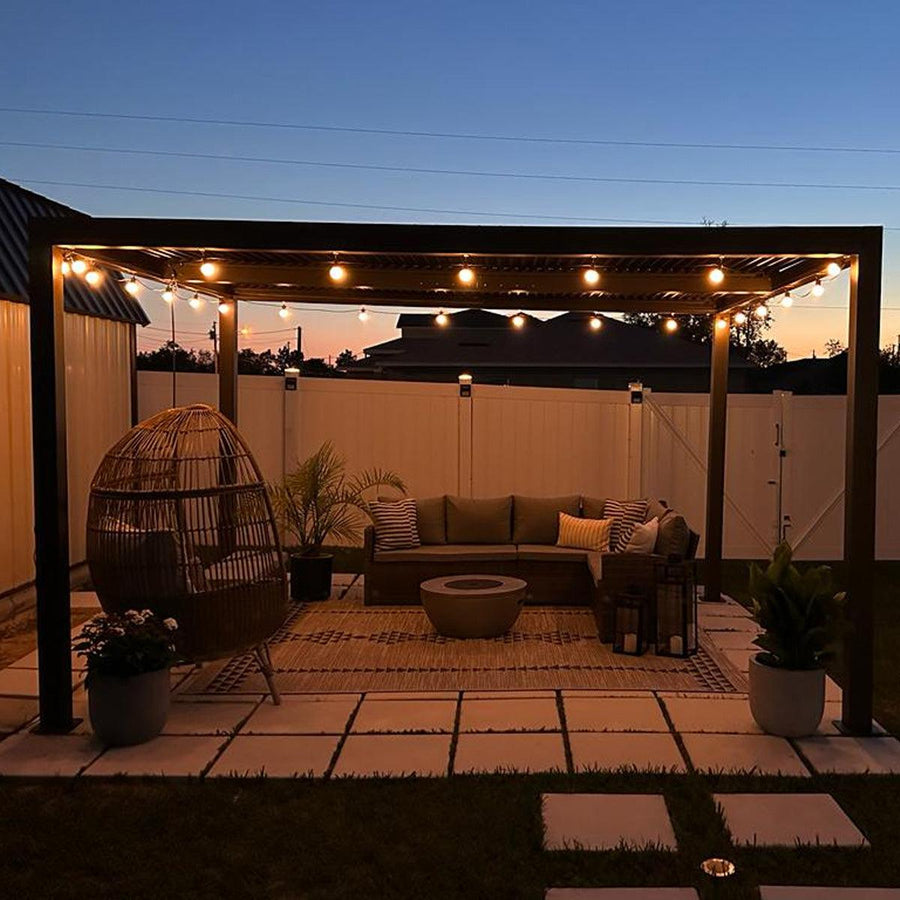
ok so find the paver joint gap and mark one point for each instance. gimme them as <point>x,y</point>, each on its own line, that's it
<point>567,747</point>
<point>675,735</point>
<point>231,736</point>
<point>348,725</point>
<point>454,736</point>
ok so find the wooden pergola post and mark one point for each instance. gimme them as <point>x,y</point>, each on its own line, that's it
<point>860,482</point>
<point>228,361</point>
<point>715,464</point>
<point>51,484</point>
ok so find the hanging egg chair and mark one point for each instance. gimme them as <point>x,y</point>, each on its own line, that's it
<point>180,522</point>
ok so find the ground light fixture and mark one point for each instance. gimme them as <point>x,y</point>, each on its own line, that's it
<point>591,276</point>
<point>363,315</point>
<point>93,277</point>
<point>717,867</point>
<point>132,287</point>
<point>195,302</point>
<point>337,273</point>
<point>740,318</point>
<point>761,311</point>
<point>716,275</point>
<point>208,269</point>
<point>284,312</point>
<point>671,325</point>
<point>441,319</point>
<point>787,300</point>
<point>833,269</point>
<point>79,266</point>
<point>818,288</point>
<point>518,320</point>
<point>595,322</point>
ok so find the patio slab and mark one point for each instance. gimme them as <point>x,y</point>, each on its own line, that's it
<point>852,755</point>
<point>606,822</point>
<point>716,715</point>
<point>610,751</point>
<point>306,714</point>
<point>799,892</point>
<point>730,623</point>
<point>276,756</point>
<point>386,716</point>
<point>510,714</point>
<point>510,753</point>
<point>84,600</point>
<point>15,712</point>
<point>613,714</point>
<point>787,820</point>
<point>368,755</point>
<point>23,682</point>
<point>165,755</point>
<point>622,893</point>
<point>46,754</point>
<point>761,754</point>
<point>734,640</point>
<point>412,695</point>
<point>191,717</point>
<point>510,695</point>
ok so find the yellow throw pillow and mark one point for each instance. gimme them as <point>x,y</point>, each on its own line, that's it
<point>584,534</point>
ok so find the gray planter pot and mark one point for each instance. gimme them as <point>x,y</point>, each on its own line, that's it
<point>786,702</point>
<point>128,710</point>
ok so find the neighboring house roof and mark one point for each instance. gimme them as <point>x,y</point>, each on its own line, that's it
<point>17,206</point>
<point>478,337</point>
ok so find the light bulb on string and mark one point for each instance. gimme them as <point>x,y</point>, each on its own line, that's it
<point>466,275</point>
<point>224,308</point>
<point>671,325</point>
<point>337,273</point>
<point>591,276</point>
<point>66,266</point>
<point>721,324</point>
<point>195,302</point>
<point>363,315</point>
<point>284,312</point>
<point>518,320</point>
<point>716,275</point>
<point>761,311</point>
<point>93,277</point>
<point>833,269</point>
<point>79,266</point>
<point>132,286</point>
<point>595,322</point>
<point>442,319</point>
<point>168,293</point>
<point>740,317</point>
<point>787,300</point>
<point>208,269</point>
<point>818,288</point>
<point>245,331</point>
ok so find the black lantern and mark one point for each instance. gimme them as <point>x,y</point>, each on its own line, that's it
<point>676,608</point>
<point>630,609</point>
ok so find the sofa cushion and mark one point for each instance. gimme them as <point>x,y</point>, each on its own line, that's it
<point>655,509</point>
<point>395,524</point>
<point>450,553</point>
<point>471,521</point>
<point>584,534</point>
<point>627,514</point>
<point>536,519</point>
<point>551,553</point>
<point>643,538</point>
<point>674,535</point>
<point>592,507</point>
<point>431,520</point>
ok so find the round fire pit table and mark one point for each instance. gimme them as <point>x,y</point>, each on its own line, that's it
<point>473,606</point>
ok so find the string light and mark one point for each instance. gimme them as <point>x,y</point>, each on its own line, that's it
<point>245,331</point>
<point>224,308</point>
<point>66,266</point>
<point>818,288</point>
<point>720,324</point>
<point>284,312</point>
<point>833,269</point>
<point>787,300</point>
<point>740,317</point>
<point>518,320</point>
<point>363,316</point>
<point>591,276</point>
<point>442,319</point>
<point>208,269</point>
<point>671,325</point>
<point>79,266</point>
<point>716,275</point>
<point>169,293</point>
<point>337,273</point>
<point>93,277</point>
<point>761,311</point>
<point>195,302</point>
<point>132,286</point>
<point>596,322</point>
<point>466,275</point>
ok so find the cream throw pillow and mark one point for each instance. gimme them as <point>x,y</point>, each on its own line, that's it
<point>643,538</point>
<point>584,534</point>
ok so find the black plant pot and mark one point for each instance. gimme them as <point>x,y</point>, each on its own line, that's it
<point>311,577</point>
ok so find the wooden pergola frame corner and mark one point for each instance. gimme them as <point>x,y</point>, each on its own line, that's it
<point>655,269</point>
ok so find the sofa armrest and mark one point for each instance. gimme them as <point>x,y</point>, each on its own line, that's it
<point>369,544</point>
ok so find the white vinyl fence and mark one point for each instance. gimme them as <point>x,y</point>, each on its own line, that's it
<point>785,454</point>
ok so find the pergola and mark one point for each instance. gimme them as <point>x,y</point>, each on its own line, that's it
<point>665,270</point>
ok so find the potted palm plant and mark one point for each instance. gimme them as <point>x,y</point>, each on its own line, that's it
<point>128,659</point>
<point>800,616</point>
<point>317,502</point>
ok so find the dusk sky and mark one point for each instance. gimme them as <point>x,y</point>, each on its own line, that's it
<point>821,74</point>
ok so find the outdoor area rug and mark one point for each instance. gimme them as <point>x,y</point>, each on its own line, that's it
<point>341,645</point>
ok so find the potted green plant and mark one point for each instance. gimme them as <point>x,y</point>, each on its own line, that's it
<point>800,617</point>
<point>320,501</point>
<point>128,660</point>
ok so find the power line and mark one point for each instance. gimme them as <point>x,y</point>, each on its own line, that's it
<point>468,173</point>
<point>465,136</point>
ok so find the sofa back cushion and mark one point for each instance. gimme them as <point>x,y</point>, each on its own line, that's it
<point>536,519</point>
<point>674,535</point>
<point>432,520</point>
<point>471,521</point>
<point>592,507</point>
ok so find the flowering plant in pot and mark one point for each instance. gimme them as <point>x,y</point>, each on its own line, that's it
<point>800,615</point>
<point>128,659</point>
<point>320,501</point>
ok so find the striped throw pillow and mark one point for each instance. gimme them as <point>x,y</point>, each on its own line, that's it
<point>583,534</point>
<point>395,524</point>
<point>625,515</point>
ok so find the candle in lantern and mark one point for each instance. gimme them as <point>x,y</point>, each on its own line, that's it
<point>676,645</point>
<point>630,643</point>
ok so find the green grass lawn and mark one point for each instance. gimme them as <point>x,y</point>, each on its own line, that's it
<point>469,837</point>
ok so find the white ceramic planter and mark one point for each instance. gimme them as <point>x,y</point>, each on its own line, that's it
<point>786,702</point>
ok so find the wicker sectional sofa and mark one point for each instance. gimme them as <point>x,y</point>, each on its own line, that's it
<point>516,535</point>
